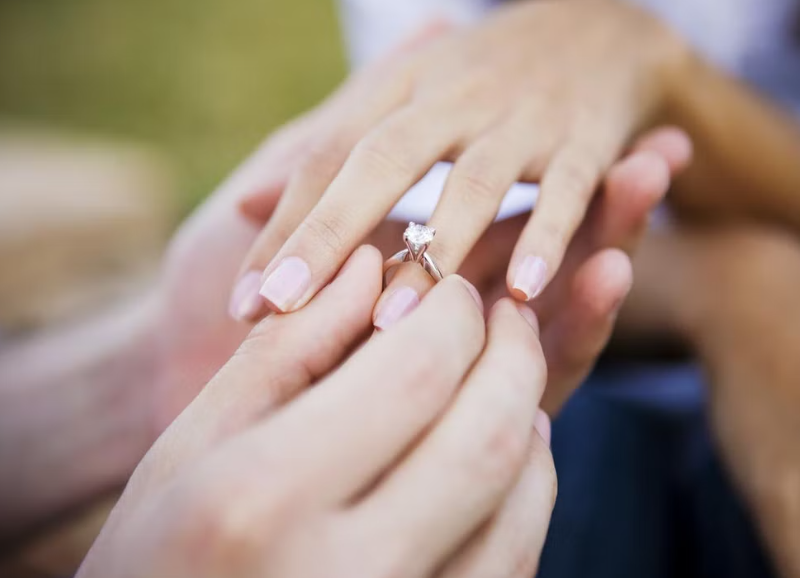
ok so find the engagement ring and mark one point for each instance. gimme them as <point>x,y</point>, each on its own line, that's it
<point>417,238</point>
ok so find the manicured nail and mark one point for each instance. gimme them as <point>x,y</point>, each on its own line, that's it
<point>530,277</point>
<point>245,301</point>
<point>287,283</point>
<point>542,425</point>
<point>397,305</point>
<point>529,316</point>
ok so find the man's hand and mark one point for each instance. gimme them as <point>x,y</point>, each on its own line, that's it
<point>417,457</point>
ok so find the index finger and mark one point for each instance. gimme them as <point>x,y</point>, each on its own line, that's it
<point>379,170</point>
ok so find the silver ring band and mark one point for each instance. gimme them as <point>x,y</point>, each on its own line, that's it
<point>404,256</point>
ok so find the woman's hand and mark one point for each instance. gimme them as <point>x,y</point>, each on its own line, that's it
<point>545,91</point>
<point>578,309</point>
<point>417,457</point>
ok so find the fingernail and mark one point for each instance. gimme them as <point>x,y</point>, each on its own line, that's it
<point>529,316</point>
<point>473,292</point>
<point>245,301</point>
<point>397,305</point>
<point>287,283</point>
<point>542,425</point>
<point>530,277</point>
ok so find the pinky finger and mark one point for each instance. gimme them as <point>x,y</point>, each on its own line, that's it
<point>510,545</point>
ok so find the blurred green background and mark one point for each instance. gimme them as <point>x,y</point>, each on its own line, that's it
<point>202,81</point>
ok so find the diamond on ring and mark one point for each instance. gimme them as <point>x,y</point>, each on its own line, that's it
<point>417,238</point>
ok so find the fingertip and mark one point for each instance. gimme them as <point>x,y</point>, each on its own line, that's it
<point>258,206</point>
<point>673,144</point>
<point>476,296</point>
<point>246,304</point>
<point>604,281</point>
<point>644,175</point>
<point>507,306</point>
<point>364,257</point>
<point>396,305</point>
<point>529,316</point>
<point>528,278</point>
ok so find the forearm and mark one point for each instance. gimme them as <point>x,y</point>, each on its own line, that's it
<point>747,157</point>
<point>74,414</point>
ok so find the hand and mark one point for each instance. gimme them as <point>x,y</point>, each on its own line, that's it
<point>578,309</point>
<point>415,458</point>
<point>196,331</point>
<point>543,91</point>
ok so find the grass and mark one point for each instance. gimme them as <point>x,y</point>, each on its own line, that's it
<point>202,81</point>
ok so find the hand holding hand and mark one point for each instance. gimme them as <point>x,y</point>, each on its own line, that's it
<point>578,309</point>
<point>415,458</point>
<point>542,91</point>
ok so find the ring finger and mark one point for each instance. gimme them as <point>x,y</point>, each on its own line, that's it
<point>471,198</point>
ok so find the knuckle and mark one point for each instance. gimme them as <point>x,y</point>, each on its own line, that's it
<point>382,155</point>
<point>327,232</point>
<point>292,367</point>
<point>500,453</point>
<point>554,233</point>
<point>479,185</point>
<point>577,175</point>
<point>221,533</point>
<point>430,378</point>
<point>324,160</point>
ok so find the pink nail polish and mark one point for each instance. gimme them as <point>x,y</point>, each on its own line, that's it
<point>287,283</point>
<point>397,305</point>
<point>245,301</point>
<point>541,422</point>
<point>531,276</point>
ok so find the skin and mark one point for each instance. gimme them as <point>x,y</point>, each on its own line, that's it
<point>746,339</point>
<point>513,99</point>
<point>577,311</point>
<point>158,354</point>
<point>513,104</point>
<point>447,424</point>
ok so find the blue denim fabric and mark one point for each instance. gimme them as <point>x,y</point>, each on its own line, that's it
<point>642,492</point>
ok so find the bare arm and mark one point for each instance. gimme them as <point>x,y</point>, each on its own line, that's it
<point>747,157</point>
<point>74,419</point>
